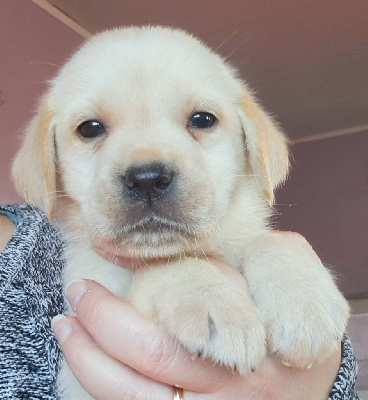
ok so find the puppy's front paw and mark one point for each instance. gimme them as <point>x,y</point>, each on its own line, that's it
<point>209,313</point>
<point>308,331</point>
<point>304,313</point>
<point>215,326</point>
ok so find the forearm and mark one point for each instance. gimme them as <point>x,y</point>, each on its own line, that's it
<point>6,231</point>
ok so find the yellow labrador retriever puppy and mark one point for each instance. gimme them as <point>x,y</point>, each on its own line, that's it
<point>149,145</point>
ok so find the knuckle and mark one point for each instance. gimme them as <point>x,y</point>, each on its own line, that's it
<point>157,355</point>
<point>77,356</point>
<point>133,392</point>
<point>93,311</point>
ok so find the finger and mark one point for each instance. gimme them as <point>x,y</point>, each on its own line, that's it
<point>116,259</point>
<point>102,376</point>
<point>124,334</point>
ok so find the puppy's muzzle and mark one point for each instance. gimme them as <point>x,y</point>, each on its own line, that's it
<point>148,182</point>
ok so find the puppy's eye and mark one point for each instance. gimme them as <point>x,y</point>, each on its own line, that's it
<point>202,120</point>
<point>91,129</point>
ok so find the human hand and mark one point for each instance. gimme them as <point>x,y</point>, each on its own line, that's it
<point>116,353</point>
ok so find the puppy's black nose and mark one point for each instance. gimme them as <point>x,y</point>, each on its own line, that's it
<point>148,182</point>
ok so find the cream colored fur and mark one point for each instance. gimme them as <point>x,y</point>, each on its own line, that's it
<point>144,84</point>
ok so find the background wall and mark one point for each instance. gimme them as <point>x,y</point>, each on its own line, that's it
<point>32,46</point>
<point>326,199</point>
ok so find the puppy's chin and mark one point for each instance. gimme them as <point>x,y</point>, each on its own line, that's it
<point>145,244</point>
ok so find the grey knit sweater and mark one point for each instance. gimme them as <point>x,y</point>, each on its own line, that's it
<point>31,294</point>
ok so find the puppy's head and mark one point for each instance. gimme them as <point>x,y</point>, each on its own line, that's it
<point>148,135</point>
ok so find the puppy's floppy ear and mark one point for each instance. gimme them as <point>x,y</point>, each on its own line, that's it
<point>267,146</point>
<point>34,169</point>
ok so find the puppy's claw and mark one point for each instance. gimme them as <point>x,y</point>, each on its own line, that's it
<point>235,370</point>
<point>196,356</point>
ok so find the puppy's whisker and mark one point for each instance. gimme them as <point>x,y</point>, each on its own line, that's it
<point>204,254</point>
<point>221,175</point>
<point>236,48</point>
<point>66,207</point>
<point>74,86</point>
<point>226,40</point>
<point>24,82</point>
<point>90,178</point>
<point>61,195</point>
<point>285,205</point>
<point>44,63</point>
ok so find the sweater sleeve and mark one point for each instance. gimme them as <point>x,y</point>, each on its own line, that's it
<point>30,295</point>
<point>344,385</point>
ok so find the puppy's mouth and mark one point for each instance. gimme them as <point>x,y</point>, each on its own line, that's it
<point>156,224</point>
<point>151,235</point>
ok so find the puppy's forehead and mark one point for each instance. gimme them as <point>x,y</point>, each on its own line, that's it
<point>144,60</point>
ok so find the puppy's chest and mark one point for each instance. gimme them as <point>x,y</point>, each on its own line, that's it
<point>83,263</point>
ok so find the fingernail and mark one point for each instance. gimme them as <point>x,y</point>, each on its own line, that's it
<point>286,363</point>
<point>62,328</point>
<point>75,291</point>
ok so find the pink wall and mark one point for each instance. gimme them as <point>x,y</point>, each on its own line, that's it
<point>326,199</point>
<point>32,44</point>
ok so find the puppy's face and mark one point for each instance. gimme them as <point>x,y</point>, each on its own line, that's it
<point>148,140</point>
